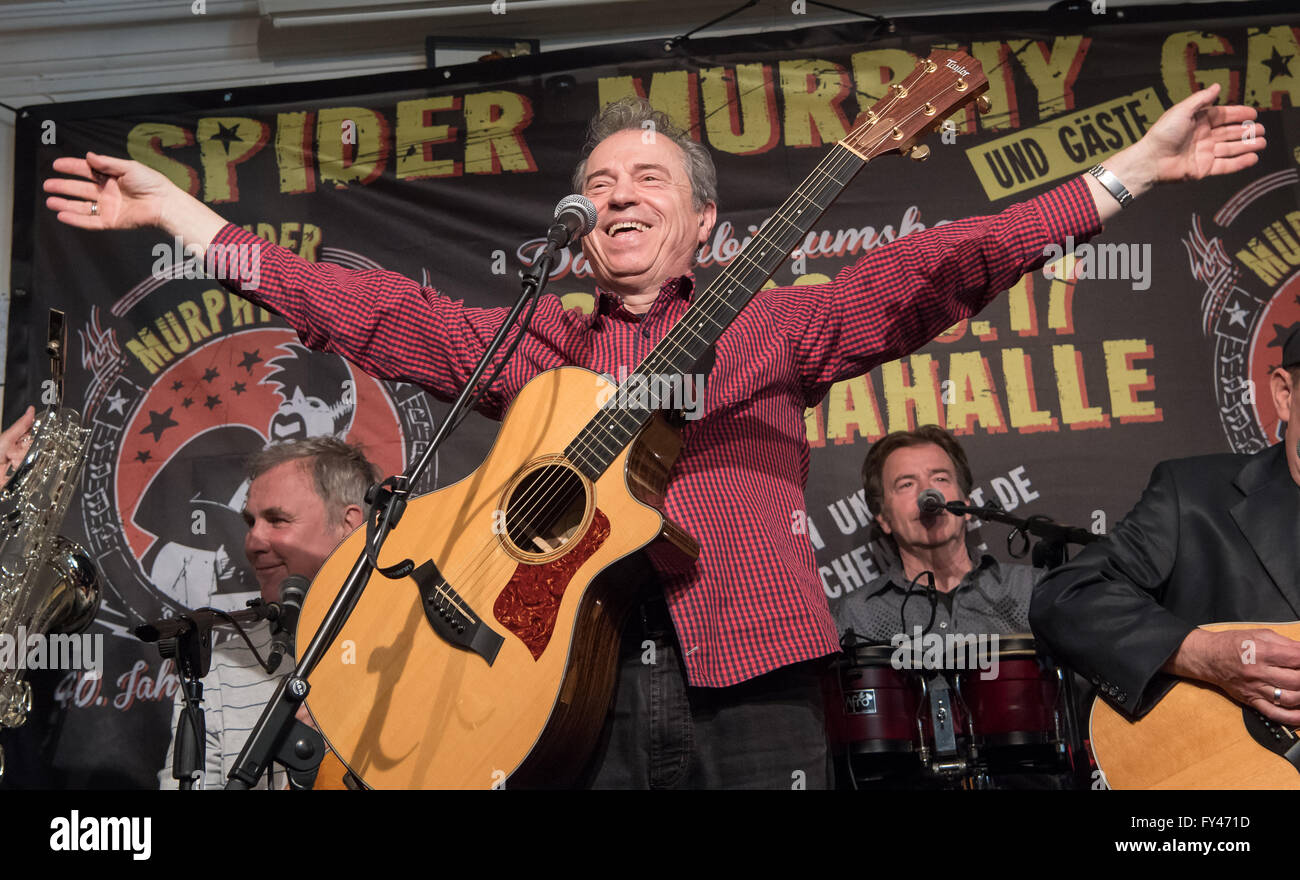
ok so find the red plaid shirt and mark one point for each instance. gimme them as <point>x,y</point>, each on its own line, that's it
<point>753,601</point>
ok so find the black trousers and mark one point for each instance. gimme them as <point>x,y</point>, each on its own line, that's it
<point>768,732</point>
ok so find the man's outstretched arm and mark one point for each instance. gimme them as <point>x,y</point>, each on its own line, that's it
<point>897,298</point>
<point>382,321</point>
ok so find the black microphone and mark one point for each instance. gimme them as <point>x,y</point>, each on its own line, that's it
<point>931,501</point>
<point>575,216</point>
<point>292,591</point>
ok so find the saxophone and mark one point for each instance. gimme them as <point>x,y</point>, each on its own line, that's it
<point>47,582</point>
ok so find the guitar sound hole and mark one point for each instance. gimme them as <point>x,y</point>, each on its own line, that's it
<point>545,510</point>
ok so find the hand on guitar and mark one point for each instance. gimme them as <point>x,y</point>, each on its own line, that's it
<point>1248,665</point>
<point>14,443</point>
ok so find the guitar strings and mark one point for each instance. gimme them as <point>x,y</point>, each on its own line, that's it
<point>539,496</point>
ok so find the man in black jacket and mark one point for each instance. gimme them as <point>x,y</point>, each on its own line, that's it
<point>1214,538</point>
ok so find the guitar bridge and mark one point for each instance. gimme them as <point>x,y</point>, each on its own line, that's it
<point>1277,738</point>
<point>451,617</point>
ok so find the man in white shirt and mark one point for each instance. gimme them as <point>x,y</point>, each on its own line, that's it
<point>304,499</point>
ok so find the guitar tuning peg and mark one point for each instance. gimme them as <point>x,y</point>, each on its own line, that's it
<point>982,104</point>
<point>919,153</point>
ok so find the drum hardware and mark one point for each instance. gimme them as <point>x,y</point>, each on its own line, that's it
<point>950,727</point>
<point>946,764</point>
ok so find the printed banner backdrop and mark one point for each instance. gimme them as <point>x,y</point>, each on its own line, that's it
<point>1066,390</point>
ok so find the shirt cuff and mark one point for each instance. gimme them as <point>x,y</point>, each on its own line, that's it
<point>1069,210</point>
<point>234,256</point>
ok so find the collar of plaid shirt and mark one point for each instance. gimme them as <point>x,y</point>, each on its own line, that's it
<point>608,304</point>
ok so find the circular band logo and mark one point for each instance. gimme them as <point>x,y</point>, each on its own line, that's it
<point>201,380</point>
<point>1251,300</point>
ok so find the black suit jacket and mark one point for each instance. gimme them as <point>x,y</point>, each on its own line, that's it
<point>1214,538</point>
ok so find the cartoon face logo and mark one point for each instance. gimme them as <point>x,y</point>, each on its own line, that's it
<point>318,395</point>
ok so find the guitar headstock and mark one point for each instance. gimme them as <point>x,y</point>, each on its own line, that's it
<point>918,104</point>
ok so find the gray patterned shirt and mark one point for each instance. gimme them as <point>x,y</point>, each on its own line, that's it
<point>992,598</point>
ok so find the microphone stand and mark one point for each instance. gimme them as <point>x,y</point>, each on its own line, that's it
<point>269,738</point>
<point>188,640</point>
<point>1050,551</point>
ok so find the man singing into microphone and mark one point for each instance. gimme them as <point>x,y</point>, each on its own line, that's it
<point>305,497</point>
<point>971,595</point>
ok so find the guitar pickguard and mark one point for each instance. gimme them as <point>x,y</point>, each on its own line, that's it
<point>530,602</point>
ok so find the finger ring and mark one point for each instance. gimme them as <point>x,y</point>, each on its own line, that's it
<point>94,209</point>
<point>1277,696</point>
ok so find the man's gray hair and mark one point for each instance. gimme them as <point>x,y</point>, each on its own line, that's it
<point>635,113</point>
<point>341,471</point>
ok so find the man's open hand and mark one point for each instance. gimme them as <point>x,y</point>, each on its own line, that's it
<point>128,195</point>
<point>104,192</point>
<point>1193,139</point>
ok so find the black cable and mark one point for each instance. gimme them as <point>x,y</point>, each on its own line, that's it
<point>726,15</point>
<point>930,594</point>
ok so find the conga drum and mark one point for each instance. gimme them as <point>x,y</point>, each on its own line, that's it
<point>1016,718</point>
<point>877,720</point>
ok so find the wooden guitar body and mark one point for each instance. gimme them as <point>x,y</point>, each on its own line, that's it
<point>404,707</point>
<point>1194,738</point>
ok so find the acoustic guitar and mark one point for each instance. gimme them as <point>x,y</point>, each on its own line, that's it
<point>495,659</point>
<point>1197,737</point>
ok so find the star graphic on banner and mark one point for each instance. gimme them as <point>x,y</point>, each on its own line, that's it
<point>1278,64</point>
<point>1280,334</point>
<point>212,402</point>
<point>158,423</point>
<point>210,373</point>
<point>1238,315</point>
<point>250,359</point>
<point>177,385</point>
<point>115,402</point>
<point>143,456</point>
<point>238,388</point>
<point>228,136</point>
<point>187,402</point>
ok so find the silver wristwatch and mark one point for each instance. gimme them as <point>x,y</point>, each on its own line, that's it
<point>1112,184</point>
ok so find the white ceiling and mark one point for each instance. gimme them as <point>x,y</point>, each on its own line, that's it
<point>62,50</point>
